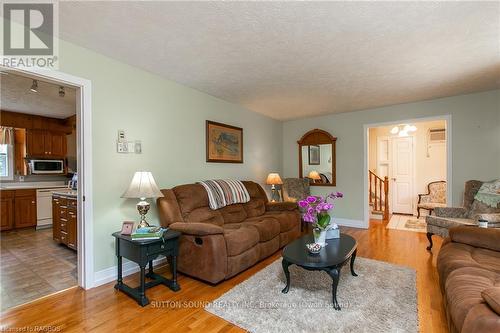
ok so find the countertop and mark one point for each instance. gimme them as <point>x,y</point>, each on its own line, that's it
<point>67,194</point>
<point>31,185</point>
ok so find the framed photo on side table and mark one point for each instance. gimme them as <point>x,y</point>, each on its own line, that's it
<point>127,228</point>
<point>224,143</point>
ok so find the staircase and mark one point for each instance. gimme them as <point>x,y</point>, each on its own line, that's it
<point>378,194</point>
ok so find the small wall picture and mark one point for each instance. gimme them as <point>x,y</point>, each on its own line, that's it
<point>127,228</point>
<point>224,143</point>
<point>314,155</point>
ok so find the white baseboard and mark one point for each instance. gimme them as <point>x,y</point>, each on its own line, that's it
<point>350,223</point>
<point>129,267</point>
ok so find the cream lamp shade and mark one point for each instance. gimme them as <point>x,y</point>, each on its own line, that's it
<point>142,186</point>
<point>314,175</point>
<point>273,179</point>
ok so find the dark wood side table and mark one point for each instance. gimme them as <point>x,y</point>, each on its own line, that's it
<point>143,252</point>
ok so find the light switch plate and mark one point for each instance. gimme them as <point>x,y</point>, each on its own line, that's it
<point>122,147</point>
<point>138,146</point>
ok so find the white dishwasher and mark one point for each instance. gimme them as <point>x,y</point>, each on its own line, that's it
<point>44,206</point>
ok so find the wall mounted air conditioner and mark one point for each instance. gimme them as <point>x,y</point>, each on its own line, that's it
<point>437,135</point>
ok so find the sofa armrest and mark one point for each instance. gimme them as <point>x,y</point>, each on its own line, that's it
<point>197,228</point>
<point>281,206</point>
<point>487,238</point>
<point>454,212</point>
<point>492,297</point>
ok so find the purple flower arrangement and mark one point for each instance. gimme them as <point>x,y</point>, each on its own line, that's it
<point>316,209</point>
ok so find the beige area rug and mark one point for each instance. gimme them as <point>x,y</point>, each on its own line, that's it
<point>408,223</point>
<point>382,298</point>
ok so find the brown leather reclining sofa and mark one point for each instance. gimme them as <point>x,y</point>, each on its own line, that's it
<point>469,275</point>
<point>218,244</point>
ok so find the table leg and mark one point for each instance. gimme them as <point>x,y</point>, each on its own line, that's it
<point>150,272</point>
<point>119,280</point>
<point>429,237</point>
<point>285,264</point>
<point>173,264</point>
<point>335,275</point>
<point>143,300</point>
<point>353,257</point>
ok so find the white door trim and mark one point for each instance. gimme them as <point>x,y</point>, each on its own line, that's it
<point>449,158</point>
<point>84,148</point>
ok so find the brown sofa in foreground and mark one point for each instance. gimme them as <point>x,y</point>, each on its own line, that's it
<point>218,244</point>
<point>469,276</point>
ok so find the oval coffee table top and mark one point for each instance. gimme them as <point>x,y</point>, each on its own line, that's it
<point>337,251</point>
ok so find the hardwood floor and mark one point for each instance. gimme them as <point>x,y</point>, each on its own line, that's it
<point>103,309</point>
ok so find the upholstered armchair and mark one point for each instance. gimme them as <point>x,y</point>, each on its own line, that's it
<point>447,217</point>
<point>295,189</point>
<point>435,197</point>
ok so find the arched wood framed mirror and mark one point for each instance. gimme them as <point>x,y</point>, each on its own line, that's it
<point>317,158</point>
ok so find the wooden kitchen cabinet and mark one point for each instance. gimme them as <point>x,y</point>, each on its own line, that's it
<point>58,144</point>
<point>56,221</point>
<point>6,210</point>
<point>46,144</point>
<point>25,208</point>
<point>35,143</point>
<point>64,221</point>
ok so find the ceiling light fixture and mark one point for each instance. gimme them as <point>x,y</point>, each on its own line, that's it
<point>34,86</point>
<point>403,129</point>
<point>62,93</point>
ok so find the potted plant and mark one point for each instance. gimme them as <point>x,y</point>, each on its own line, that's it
<point>316,210</point>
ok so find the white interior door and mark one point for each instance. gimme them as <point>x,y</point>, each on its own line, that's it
<point>402,175</point>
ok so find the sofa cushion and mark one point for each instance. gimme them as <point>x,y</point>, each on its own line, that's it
<point>240,238</point>
<point>463,291</point>
<point>205,215</point>
<point>453,256</point>
<point>190,196</point>
<point>255,207</point>
<point>430,205</point>
<point>268,227</point>
<point>492,297</point>
<point>233,213</point>
<point>255,190</point>
<point>288,220</point>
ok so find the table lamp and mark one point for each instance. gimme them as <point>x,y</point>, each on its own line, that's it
<point>141,187</point>
<point>314,175</point>
<point>274,179</point>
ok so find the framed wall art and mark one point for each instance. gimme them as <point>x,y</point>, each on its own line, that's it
<point>314,155</point>
<point>224,143</point>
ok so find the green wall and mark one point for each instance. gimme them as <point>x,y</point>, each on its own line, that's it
<point>475,135</point>
<point>169,119</point>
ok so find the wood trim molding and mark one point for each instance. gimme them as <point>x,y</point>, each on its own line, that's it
<point>29,121</point>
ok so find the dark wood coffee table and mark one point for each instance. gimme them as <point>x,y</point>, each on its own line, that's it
<point>331,259</point>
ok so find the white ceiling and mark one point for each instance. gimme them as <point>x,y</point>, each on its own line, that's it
<point>15,95</point>
<point>296,59</point>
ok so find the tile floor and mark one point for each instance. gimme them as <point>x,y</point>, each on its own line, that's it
<point>407,222</point>
<point>32,265</point>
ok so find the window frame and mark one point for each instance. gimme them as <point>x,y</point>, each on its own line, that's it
<point>10,163</point>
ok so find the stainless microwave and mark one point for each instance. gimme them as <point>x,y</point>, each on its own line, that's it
<point>46,166</point>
